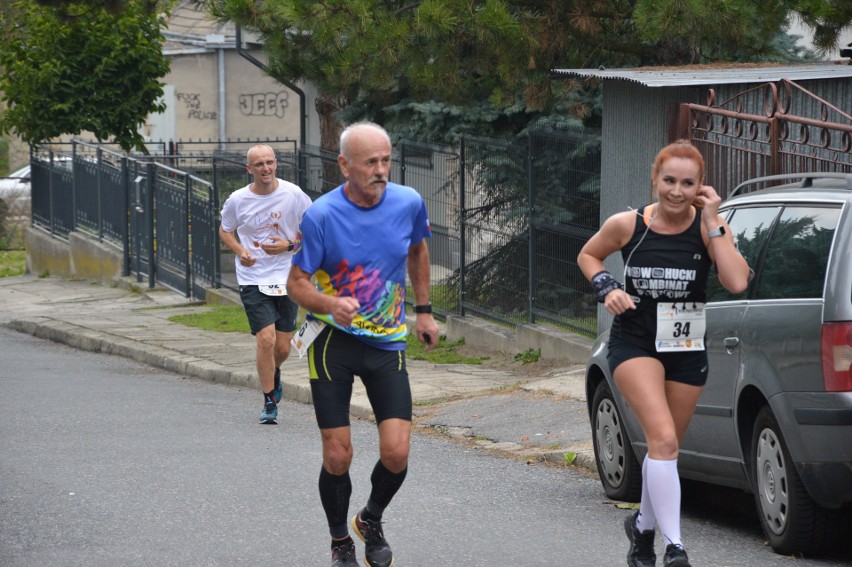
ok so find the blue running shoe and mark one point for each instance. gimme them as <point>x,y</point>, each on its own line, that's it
<point>278,389</point>
<point>270,413</point>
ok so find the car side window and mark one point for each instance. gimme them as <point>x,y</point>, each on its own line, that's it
<point>750,227</point>
<point>797,254</point>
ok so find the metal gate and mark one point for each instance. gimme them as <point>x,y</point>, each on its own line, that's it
<point>173,218</point>
<point>797,131</point>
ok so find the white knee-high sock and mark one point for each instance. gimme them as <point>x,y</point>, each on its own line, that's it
<point>664,494</point>
<point>646,520</point>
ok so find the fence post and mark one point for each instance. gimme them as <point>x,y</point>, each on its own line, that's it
<point>402,163</point>
<point>125,226</point>
<point>531,249</point>
<point>774,145</point>
<point>301,173</point>
<point>74,185</point>
<point>187,274</point>
<point>149,212</point>
<point>462,214</point>
<point>100,195</point>
<point>214,203</point>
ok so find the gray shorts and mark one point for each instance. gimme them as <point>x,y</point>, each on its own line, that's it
<point>264,310</point>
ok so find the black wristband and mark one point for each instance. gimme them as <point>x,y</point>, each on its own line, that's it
<point>603,282</point>
<point>291,245</point>
<point>423,308</point>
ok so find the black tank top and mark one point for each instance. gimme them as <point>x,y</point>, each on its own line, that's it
<point>662,268</point>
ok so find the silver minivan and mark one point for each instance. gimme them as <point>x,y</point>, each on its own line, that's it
<point>775,418</point>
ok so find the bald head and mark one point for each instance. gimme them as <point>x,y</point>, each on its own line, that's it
<point>360,131</point>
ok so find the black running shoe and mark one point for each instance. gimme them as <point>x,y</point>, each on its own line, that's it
<point>377,552</point>
<point>641,553</point>
<point>343,553</point>
<point>675,556</point>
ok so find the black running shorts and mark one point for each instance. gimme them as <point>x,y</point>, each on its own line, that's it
<point>264,310</point>
<point>335,358</point>
<point>686,367</point>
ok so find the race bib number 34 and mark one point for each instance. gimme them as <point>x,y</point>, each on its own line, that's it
<point>680,327</point>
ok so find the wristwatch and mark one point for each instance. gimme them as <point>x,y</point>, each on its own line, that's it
<point>427,308</point>
<point>718,231</point>
<point>291,245</point>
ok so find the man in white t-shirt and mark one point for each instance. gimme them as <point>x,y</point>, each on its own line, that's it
<point>265,216</point>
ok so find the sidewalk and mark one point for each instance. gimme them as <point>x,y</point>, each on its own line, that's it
<point>538,419</point>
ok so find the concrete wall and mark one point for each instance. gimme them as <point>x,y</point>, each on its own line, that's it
<point>554,344</point>
<point>80,257</point>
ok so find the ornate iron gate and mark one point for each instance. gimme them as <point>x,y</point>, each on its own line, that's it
<point>739,144</point>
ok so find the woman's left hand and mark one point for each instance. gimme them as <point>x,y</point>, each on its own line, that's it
<point>708,200</point>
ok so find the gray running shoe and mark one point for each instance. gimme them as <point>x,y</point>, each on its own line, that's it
<point>343,554</point>
<point>377,552</point>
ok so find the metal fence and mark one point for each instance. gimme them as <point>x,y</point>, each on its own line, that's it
<point>530,207</point>
<point>508,218</point>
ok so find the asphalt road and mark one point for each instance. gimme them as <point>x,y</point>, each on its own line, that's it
<point>109,462</point>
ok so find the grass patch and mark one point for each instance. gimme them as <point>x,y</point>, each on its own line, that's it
<point>232,318</point>
<point>12,263</point>
<point>221,318</point>
<point>529,356</point>
<point>443,353</point>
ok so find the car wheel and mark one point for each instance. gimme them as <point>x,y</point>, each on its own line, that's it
<point>619,471</point>
<point>791,520</point>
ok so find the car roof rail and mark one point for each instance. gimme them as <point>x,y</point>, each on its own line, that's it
<point>807,179</point>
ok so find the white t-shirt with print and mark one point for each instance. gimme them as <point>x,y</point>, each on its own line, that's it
<point>257,217</point>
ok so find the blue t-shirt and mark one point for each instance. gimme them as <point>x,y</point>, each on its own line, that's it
<point>362,252</point>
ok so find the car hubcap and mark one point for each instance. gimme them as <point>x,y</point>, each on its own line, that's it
<point>772,481</point>
<point>610,443</point>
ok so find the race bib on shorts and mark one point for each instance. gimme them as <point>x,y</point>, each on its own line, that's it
<point>306,334</point>
<point>273,289</point>
<point>680,327</point>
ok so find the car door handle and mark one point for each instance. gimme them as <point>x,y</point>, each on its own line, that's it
<point>731,343</point>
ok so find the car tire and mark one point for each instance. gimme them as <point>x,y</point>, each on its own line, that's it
<point>619,471</point>
<point>792,522</point>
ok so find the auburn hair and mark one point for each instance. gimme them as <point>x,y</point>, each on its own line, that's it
<point>679,149</point>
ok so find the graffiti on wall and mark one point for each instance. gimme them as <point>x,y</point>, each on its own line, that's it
<point>250,104</point>
<point>264,104</point>
<point>192,102</point>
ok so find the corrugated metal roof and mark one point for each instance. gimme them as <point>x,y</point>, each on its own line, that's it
<point>700,75</point>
